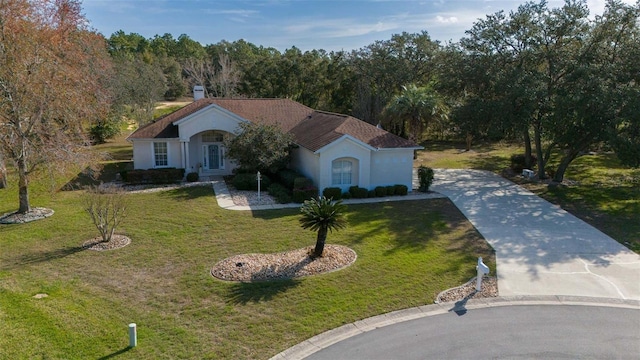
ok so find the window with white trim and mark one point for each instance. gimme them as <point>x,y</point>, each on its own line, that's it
<point>341,172</point>
<point>160,154</point>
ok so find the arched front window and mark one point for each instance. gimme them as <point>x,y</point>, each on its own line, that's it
<point>341,172</point>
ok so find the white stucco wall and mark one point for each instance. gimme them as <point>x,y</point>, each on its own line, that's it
<point>143,153</point>
<point>211,118</point>
<point>391,167</point>
<point>307,163</point>
<point>342,148</point>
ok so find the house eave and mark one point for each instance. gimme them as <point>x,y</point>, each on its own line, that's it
<point>208,108</point>
<point>342,138</point>
<point>401,148</point>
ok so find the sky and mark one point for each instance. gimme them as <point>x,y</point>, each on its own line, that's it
<point>331,25</point>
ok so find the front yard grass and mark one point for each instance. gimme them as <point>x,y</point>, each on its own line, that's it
<point>600,190</point>
<point>407,252</point>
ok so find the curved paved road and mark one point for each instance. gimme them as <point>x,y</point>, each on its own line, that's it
<point>540,248</point>
<point>511,332</point>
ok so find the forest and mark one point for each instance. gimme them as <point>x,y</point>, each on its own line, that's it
<point>554,79</point>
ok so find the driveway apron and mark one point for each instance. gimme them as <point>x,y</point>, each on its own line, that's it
<point>540,248</point>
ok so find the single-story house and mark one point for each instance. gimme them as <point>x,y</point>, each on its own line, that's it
<point>333,150</point>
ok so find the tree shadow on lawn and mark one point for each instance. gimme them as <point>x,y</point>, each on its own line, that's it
<point>195,191</point>
<point>460,146</point>
<point>493,163</point>
<point>411,224</point>
<point>88,177</point>
<point>245,292</point>
<point>40,257</point>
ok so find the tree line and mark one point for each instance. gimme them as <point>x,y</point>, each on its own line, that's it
<point>553,79</point>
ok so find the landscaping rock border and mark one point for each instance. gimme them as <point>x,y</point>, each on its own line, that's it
<point>36,213</point>
<point>285,265</point>
<point>117,242</point>
<point>468,290</point>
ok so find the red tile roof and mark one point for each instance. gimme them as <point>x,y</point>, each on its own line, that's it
<point>311,129</point>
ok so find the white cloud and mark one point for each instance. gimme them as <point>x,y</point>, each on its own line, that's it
<point>238,12</point>
<point>446,20</point>
<point>336,28</point>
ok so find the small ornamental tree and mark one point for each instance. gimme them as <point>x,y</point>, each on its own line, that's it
<point>260,148</point>
<point>322,215</point>
<point>425,175</point>
<point>107,207</point>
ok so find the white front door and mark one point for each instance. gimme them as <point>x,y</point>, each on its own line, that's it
<point>213,157</point>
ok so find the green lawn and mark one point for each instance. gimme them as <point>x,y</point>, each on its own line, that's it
<point>407,253</point>
<point>600,190</point>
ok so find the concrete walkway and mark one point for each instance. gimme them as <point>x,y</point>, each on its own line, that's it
<point>225,201</point>
<point>540,248</point>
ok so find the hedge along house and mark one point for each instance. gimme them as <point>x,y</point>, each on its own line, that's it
<point>333,150</point>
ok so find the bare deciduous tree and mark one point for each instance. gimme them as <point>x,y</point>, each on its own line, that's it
<point>219,80</point>
<point>107,207</point>
<point>227,77</point>
<point>52,72</point>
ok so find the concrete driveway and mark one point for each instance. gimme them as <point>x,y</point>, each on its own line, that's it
<point>540,248</point>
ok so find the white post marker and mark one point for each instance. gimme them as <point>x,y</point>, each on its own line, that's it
<point>482,270</point>
<point>259,178</point>
<point>133,336</point>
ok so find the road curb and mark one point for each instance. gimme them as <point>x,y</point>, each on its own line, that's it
<point>330,337</point>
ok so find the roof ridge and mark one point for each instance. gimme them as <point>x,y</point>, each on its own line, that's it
<point>333,113</point>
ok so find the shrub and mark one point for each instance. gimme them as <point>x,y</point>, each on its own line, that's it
<point>358,192</point>
<point>288,177</point>
<point>107,208</point>
<point>101,132</point>
<point>302,182</point>
<point>334,193</point>
<point>390,190</point>
<point>346,195</point>
<point>380,191</point>
<point>250,182</point>
<point>193,177</point>
<point>241,170</point>
<point>280,193</point>
<point>425,175</point>
<point>518,162</point>
<point>153,176</point>
<point>371,194</point>
<point>300,195</point>
<point>401,190</point>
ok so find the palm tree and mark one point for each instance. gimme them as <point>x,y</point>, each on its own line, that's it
<point>413,109</point>
<point>322,215</point>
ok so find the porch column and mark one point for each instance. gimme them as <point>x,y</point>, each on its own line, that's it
<point>185,157</point>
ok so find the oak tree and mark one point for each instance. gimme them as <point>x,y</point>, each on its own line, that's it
<point>52,72</point>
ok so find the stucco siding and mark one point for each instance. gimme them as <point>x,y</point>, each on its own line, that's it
<point>307,163</point>
<point>212,119</point>
<point>345,148</point>
<point>142,156</point>
<point>175,154</point>
<point>391,167</point>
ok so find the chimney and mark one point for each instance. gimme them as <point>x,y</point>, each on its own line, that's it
<point>198,92</point>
